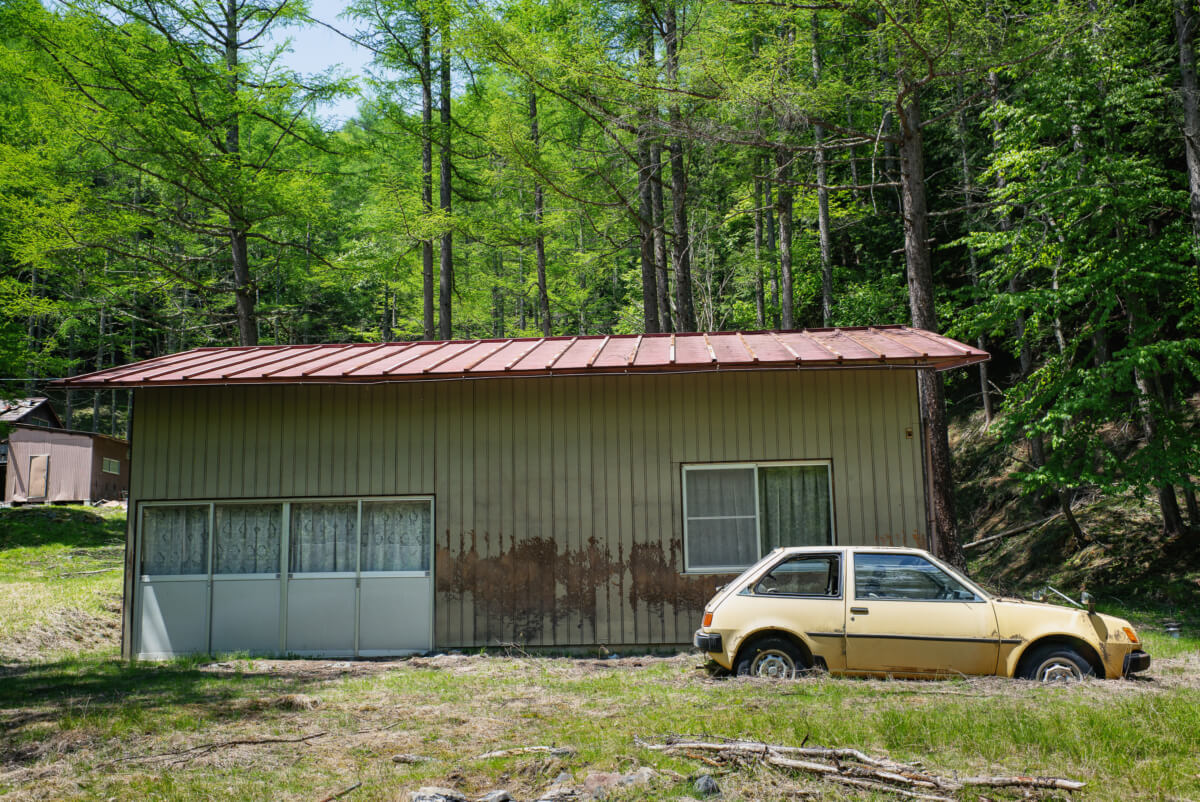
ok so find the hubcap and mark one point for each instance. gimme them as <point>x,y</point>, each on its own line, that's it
<point>1055,670</point>
<point>773,665</point>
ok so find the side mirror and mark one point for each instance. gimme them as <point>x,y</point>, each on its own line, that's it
<point>719,588</point>
<point>1088,601</point>
<point>1038,595</point>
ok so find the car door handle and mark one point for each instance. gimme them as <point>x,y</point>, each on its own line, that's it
<point>859,610</point>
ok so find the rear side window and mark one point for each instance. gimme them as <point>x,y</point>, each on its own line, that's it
<point>905,576</point>
<point>803,575</point>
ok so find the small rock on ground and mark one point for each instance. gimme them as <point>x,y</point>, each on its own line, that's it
<point>496,796</point>
<point>558,793</point>
<point>407,758</point>
<point>705,785</point>
<point>434,794</point>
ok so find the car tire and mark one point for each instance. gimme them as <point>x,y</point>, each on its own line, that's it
<point>771,658</point>
<point>1055,663</point>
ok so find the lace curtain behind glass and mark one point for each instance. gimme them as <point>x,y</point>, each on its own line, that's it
<point>175,540</point>
<point>322,537</point>
<point>248,538</point>
<point>396,535</point>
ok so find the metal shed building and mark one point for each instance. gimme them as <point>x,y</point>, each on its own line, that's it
<point>388,498</point>
<point>58,465</point>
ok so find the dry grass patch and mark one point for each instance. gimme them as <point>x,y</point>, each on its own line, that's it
<point>95,729</point>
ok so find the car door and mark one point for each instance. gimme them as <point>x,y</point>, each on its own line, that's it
<point>803,593</point>
<point>908,616</point>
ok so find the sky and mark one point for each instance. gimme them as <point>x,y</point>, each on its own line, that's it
<point>315,48</point>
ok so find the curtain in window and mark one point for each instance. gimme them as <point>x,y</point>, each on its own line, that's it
<point>323,537</point>
<point>248,538</point>
<point>721,525</point>
<point>175,540</point>
<point>795,506</point>
<point>396,535</point>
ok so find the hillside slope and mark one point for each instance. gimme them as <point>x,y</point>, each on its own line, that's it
<point>1124,559</point>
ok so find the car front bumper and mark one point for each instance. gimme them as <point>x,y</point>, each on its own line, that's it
<point>708,642</point>
<point>1135,661</point>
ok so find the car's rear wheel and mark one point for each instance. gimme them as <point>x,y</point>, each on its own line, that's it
<point>771,658</point>
<point>1056,663</point>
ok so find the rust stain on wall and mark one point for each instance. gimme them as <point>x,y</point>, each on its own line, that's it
<point>530,583</point>
<point>658,581</point>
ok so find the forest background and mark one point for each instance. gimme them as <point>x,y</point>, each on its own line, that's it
<point>1022,176</point>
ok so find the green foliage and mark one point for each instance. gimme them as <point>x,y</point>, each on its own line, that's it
<point>1053,159</point>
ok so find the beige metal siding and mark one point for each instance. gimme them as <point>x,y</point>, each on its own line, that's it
<point>558,500</point>
<point>68,472</point>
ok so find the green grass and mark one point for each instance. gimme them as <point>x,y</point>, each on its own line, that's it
<point>46,554</point>
<point>66,722</point>
<point>82,724</point>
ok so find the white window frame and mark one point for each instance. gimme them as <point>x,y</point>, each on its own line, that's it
<point>110,465</point>
<point>718,466</point>
<point>285,539</point>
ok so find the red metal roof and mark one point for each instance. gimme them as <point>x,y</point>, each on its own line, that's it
<point>874,346</point>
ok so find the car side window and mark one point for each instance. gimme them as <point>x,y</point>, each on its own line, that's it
<point>905,576</point>
<point>803,575</point>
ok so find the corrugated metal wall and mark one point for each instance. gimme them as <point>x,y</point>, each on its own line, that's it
<point>558,500</point>
<point>69,472</point>
<point>107,485</point>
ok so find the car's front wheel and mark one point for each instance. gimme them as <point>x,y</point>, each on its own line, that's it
<point>772,658</point>
<point>1056,663</point>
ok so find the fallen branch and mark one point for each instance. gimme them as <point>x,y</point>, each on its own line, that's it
<point>341,793</point>
<point>983,541</point>
<point>527,750</point>
<point>203,749</point>
<point>851,767</point>
<point>89,573</point>
<point>1023,782</point>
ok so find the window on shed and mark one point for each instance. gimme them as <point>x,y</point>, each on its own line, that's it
<point>175,540</point>
<point>396,535</point>
<point>109,465</point>
<point>733,514</point>
<point>323,536</point>
<point>248,538</point>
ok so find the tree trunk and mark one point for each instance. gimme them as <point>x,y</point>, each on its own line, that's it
<point>769,209</point>
<point>783,206</point>
<point>498,296</point>
<point>972,259</point>
<point>1185,29</point>
<point>446,274</point>
<point>427,175</point>
<point>99,366</point>
<point>662,281</point>
<point>645,216</point>
<point>1172,519</point>
<point>539,240</point>
<point>924,315</point>
<point>243,288</point>
<point>681,256</point>
<point>242,285</point>
<point>822,192</point>
<point>760,302</point>
<point>385,320</point>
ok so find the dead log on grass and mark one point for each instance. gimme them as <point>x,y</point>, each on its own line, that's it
<point>852,767</point>
<point>528,750</point>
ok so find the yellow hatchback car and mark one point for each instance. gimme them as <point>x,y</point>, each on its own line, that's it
<point>900,612</point>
